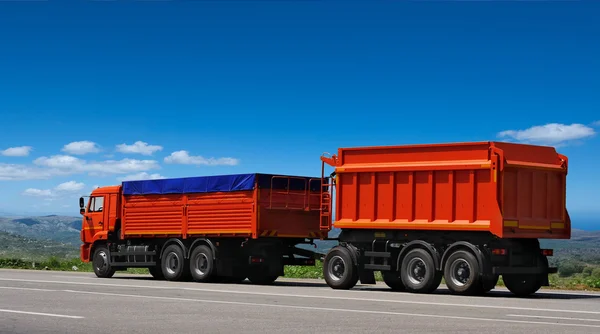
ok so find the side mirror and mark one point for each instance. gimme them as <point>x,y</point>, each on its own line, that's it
<point>81,205</point>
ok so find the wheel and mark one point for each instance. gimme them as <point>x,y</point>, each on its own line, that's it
<point>262,278</point>
<point>202,265</point>
<point>489,283</point>
<point>156,272</point>
<point>522,284</point>
<point>173,263</point>
<point>418,272</point>
<point>102,267</point>
<point>393,280</point>
<point>339,270</point>
<point>461,271</point>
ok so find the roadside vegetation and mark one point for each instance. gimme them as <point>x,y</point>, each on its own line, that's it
<point>571,275</point>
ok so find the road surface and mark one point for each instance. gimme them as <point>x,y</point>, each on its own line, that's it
<point>69,302</point>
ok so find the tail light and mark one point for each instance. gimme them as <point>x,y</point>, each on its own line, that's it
<point>256,259</point>
<point>499,251</point>
<point>547,252</point>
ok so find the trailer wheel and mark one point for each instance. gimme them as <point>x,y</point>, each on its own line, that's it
<point>262,278</point>
<point>102,267</point>
<point>522,285</point>
<point>156,272</point>
<point>202,265</point>
<point>489,283</point>
<point>418,272</point>
<point>339,270</point>
<point>173,263</point>
<point>393,280</point>
<point>461,271</point>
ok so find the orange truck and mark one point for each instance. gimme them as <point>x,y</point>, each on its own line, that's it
<point>210,228</point>
<point>465,212</point>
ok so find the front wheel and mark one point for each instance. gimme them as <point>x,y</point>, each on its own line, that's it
<point>339,269</point>
<point>101,263</point>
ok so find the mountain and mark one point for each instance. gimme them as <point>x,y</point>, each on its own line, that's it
<point>63,229</point>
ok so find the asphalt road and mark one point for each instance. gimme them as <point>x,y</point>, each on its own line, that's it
<point>65,302</point>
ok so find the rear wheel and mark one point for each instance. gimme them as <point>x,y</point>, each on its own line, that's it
<point>156,272</point>
<point>173,263</point>
<point>202,265</point>
<point>262,278</point>
<point>522,285</point>
<point>393,280</point>
<point>461,271</point>
<point>102,267</point>
<point>418,272</point>
<point>339,269</point>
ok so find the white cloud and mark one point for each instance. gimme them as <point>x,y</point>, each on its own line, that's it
<point>139,147</point>
<point>60,190</point>
<point>140,176</point>
<point>81,147</point>
<point>12,172</point>
<point>550,134</point>
<point>73,165</point>
<point>184,158</point>
<point>21,151</point>
<point>70,186</point>
<point>596,123</point>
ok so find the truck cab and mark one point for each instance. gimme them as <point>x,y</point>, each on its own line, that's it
<point>100,214</point>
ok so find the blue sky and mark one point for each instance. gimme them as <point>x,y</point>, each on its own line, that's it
<point>268,86</point>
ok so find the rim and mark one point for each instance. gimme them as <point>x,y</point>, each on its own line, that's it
<point>336,268</point>
<point>417,269</point>
<point>201,262</point>
<point>460,272</point>
<point>172,263</point>
<point>103,259</point>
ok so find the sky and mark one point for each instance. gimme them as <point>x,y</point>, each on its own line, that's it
<point>94,93</point>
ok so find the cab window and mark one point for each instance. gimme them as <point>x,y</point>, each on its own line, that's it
<point>96,204</point>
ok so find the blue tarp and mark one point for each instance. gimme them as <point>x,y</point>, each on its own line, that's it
<point>200,184</point>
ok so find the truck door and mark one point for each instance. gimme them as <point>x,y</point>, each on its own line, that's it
<point>95,217</point>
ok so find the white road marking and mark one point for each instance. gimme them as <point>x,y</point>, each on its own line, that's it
<point>498,307</point>
<point>44,314</point>
<point>18,288</point>
<point>548,317</point>
<point>313,308</point>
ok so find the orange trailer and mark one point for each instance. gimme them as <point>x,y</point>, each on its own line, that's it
<point>468,212</point>
<point>232,226</point>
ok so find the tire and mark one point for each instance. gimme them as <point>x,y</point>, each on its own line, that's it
<point>262,279</point>
<point>426,279</point>
<point>202,265</point>
<point>339,269</point>
<point>173,263</point>
<point>489,284</point>
<point>522,285</point>
<point>393,280</point>
<point>156,272</point>
<point>100,261</point>
<point>461,272</point>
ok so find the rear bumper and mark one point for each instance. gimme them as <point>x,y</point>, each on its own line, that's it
<point>524,270</point>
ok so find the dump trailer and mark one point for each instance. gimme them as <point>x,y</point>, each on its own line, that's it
<point>465,212</point>
<point>209,228</point>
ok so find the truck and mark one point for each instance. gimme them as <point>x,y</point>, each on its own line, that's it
<point>206,228</point>
<point>467,213</point>
<point>464,212</point>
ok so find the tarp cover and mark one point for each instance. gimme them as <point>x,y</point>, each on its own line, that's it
<point>200,184</point>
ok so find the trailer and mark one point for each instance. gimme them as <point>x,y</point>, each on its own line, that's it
<point>465,212</point>
<point>208,229</point>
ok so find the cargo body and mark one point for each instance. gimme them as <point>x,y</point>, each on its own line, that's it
<point>483,205</point>
<point>249,224</point>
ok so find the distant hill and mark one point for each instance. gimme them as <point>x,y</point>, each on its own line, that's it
<point>63,229</point>
<point>14,246</point>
